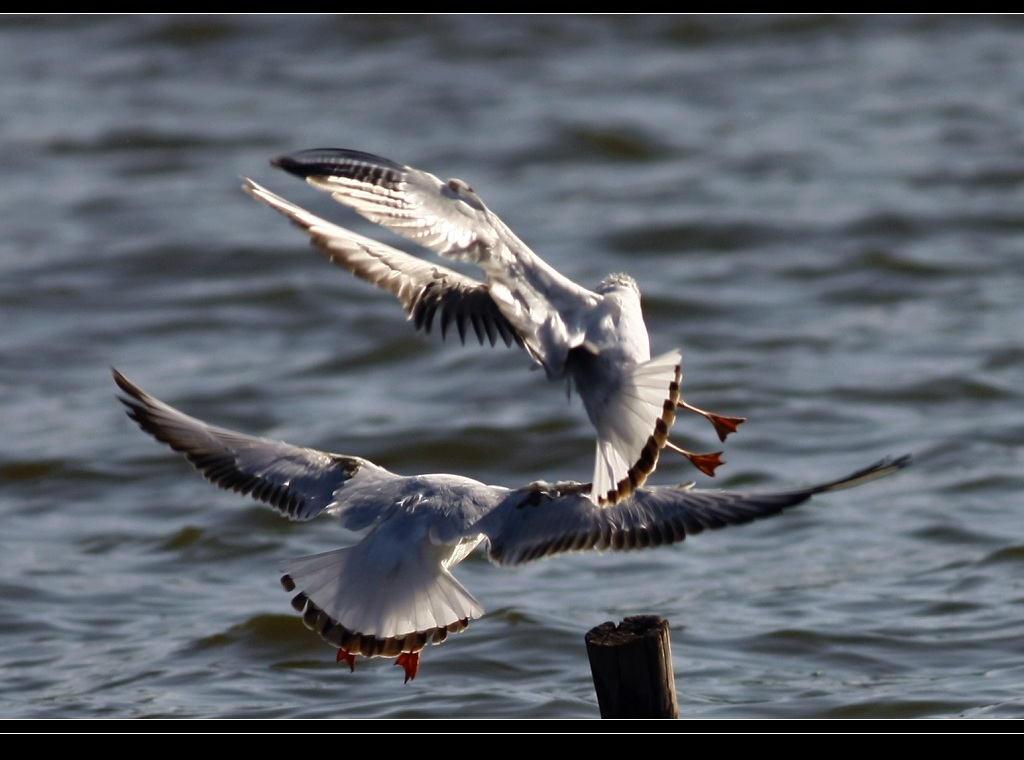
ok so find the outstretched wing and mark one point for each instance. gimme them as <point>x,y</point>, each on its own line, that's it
<point>424,290</point>
<point>447,218</point>
<point>299,483</point>
<point>540,521</point>
<point>451,220</point>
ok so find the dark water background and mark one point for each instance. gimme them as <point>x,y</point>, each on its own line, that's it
<point>825,213</point>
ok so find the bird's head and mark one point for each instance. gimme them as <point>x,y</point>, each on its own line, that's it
<point>460,190</point>
<point>618,281</point>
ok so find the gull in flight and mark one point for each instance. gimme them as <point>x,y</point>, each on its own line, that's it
<point>595,338</point>
<point>393,592</point>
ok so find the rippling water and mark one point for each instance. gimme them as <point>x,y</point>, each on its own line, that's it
<point>825,213</point>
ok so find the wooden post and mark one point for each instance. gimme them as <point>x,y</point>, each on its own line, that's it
<point>632,668</point>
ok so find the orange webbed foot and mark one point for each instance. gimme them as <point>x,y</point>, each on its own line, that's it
<point>723,425</point>
<point>347,657</point>
<point>410,661</point>
<point>706,463</point>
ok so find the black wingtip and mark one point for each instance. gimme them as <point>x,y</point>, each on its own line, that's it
<point>293,165</point>
<point>880,469</point>
<point>903,461</point>
<point>124,383</point>
<point>326,162</point>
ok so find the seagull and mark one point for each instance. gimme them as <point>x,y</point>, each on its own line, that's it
<point>597,339</point>
<point>393,593</point>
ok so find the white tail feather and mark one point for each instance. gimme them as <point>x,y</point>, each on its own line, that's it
<point>349,585</point>
<point>627,423</point>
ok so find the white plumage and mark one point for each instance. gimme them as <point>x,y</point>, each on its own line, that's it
<point>596,338</point>
<point>392,593</point>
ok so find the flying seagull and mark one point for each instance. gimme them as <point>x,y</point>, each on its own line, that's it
<point>595,338</point>
<point>393,592</point>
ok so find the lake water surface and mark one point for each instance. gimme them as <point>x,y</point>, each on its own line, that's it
<point>826,214</point>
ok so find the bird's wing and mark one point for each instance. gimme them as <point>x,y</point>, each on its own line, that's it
<point>425,290</point>
<point>451,220</point>
<point>393,591</point>
<point>299,483</point>
<point>540,521</point>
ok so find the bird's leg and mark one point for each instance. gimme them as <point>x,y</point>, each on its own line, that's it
<point>706,463</point>
<point>411,662</point>
<point>723,425</point>
<point>348,657</point>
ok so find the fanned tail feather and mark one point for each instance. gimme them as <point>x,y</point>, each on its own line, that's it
<point>375,609</point>
<point>632,432</point>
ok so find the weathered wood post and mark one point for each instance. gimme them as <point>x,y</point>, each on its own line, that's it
<point>632,668</point>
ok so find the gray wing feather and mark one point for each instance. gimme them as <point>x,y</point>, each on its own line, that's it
<point>451,220</point>
<point>541,521</point>
<point>425,290</point>
<point>445,217</point>
<point>298,482</point>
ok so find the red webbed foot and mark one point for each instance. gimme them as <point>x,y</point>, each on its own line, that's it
<point>723,425</point>
<point>706,463</point>
<point>347,657</point>
<point>411,662</point>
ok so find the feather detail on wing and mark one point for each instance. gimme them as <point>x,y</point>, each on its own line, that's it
<point>297,482</point>
<point>425,290</point>
<point>451,220</point>
<point>541,521</point>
